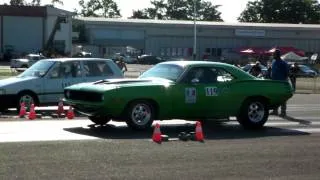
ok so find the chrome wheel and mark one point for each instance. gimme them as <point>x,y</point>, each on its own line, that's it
<point>256,112</point>
<point>141,114</point>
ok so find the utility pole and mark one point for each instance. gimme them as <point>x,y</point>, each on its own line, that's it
<point>195,30</point>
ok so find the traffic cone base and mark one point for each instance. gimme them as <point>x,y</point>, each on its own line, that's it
<point>70,114</point>
<point>32,114</point>
<point>60,110</point>
<point>156,137</point>
<point>22,111</point>
<point>199,133</point>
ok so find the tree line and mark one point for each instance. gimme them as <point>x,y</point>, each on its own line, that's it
<point>258,11</point>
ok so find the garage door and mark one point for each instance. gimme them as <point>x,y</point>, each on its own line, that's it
<point>25,34</point>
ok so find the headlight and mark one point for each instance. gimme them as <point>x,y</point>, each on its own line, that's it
<point>67,94</point>
<point>2,91</point>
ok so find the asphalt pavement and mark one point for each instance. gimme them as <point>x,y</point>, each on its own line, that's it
<point>287,148</point>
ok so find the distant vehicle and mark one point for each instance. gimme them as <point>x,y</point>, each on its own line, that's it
<point>306,71</point>
<point>44,81</point>
<point>149,59</point>
<point>180,90</point>
<point>23,63</point>
<point>248,67</point>
<point>126,58</point>
<point>83,54</point>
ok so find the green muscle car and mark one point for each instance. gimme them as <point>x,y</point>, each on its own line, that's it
<point>190,90</point>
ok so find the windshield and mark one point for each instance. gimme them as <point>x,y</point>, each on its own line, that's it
<point>39,69</point>
<point>167,71</point>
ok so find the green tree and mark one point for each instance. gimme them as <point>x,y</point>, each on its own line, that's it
<point>180,10</point>
<point>17,2</point>
<point>35,2</point>
<point>282,11</point>
<point>53,2</point>
<point>139,14</point>
<point>99,8</point>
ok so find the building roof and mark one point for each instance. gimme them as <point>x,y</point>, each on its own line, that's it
<point>31,11</point>
<point>100,20</point>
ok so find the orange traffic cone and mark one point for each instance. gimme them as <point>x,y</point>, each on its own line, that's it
<point>60,110</point>
<point>199,133</point>
<point>70,114</point>
<point>156,137</point>
<point>32,113</point>
<point>22,111</point>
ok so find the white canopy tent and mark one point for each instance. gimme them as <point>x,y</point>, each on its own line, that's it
<point>291,56</point>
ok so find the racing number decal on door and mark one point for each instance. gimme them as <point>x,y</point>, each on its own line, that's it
<point>190,95</point>
<point>211,91</point>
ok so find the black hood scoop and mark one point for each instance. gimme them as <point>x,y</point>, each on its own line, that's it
<point>121,81</point>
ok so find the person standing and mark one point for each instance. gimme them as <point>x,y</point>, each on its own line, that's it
<point>122,65</point>
<point>256,69</point>
<point>294,70</point>
<point>279,72</point>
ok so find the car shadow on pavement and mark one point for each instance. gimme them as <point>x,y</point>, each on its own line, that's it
<point>211,130</point>
<point>300,121</point>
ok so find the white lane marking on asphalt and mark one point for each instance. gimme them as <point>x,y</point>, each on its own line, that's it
<point>54,130</point>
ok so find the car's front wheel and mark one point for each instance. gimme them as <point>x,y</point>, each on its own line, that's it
<point>100,120</point>
<point>28,98</point>
<point>254,113</point>
<point>140,115</point>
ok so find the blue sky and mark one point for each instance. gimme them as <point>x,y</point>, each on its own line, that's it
<point>230,9</point>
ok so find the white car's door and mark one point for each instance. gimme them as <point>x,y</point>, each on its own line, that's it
<point>63,74</point>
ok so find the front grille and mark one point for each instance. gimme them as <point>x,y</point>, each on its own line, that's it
<point>83,96</point>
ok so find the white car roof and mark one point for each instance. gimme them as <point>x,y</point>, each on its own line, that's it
<point>75,59</point>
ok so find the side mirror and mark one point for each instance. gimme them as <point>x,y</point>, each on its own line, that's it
<point>195,81</point>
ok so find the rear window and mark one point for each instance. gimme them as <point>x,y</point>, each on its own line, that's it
<point>97,68</point>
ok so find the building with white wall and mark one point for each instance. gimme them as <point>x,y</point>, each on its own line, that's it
<point>175,38</point>
<point>26,29</point>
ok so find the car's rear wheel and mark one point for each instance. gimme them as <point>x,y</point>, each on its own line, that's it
<point>254,113</point>
<point>140,115</point>
<point>100,120</point>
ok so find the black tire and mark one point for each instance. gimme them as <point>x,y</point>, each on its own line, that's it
<point>100,120</point>
<point>254,113</point>
<point>140,115</point>
<point>29,96</point>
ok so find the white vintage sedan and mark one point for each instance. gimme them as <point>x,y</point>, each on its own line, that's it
<point>43,83</point>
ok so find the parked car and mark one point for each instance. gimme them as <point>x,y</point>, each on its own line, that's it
<point>149,59</point>
<point>126,58</point>
<point>180,90</point>
<point>24,63</point>
<point>306,71</point>
<point>248,67</point>
<point>44,81</point>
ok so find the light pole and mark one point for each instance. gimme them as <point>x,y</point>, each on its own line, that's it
<point>195,30</point>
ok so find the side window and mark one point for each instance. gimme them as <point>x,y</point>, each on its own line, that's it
<point>93,69</point>
<point>207,75</point>
<point>70,69</point>
<point>224,76</point>
<point>201,75</point>
<point>55,71</point>
<point>105,68</point>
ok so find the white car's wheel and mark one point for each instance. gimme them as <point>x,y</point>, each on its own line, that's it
<point>27,98</point>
